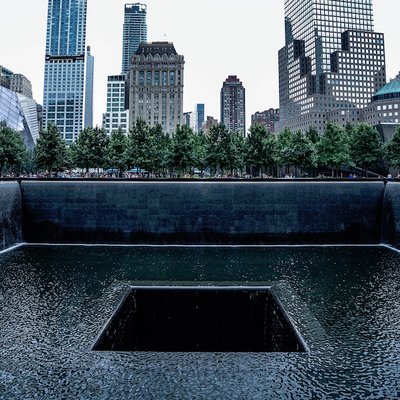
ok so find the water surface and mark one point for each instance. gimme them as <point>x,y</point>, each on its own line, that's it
<point>344,301</point>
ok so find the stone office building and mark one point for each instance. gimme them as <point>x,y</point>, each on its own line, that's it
<point>332,64</point>
<point>267,118</point>
<point>156,86</point>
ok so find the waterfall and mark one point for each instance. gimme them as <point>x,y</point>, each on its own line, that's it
<point>10,215</point>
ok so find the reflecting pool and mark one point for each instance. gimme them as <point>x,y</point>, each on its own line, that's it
<point>344,301</point>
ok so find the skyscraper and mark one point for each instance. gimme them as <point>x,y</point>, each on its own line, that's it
<point>117,116</point>
<point>233,105</point>
<point>333,60</point>
<point>200,117</point>
<point>89,89</point>
<point>134,33</point>
<point>156,86</point>
<point>65,67</point>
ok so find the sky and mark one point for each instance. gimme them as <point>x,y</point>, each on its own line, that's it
<point>217,38</point>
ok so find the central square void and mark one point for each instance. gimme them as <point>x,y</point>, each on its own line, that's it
<point>194,319</point>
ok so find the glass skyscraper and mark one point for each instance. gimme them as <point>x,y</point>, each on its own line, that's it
<point>63,103</point>
<point>332,60</point>
<point>89,89</point>
<point>135,32</point>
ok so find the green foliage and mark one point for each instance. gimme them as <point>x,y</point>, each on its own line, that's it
<point>366,147</point>
<point>13,152</point>
<point>138,152</point>
<point>260,149</point>
<point>312,135</point>
<point>332,150</point>
<point>283,151</point>
<point>90,149</point>
<point>300,150</point>
<point>392,150</point>
<point>200,151</point>
<point>219,148</point>
<point>183,148</point>
<point>162,148</point>
<point>116,150</point>
<point>236,152</point>
<point>51,151</point>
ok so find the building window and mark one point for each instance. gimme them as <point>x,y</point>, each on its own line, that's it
<point>164,78</point>
<point>141,78</point>
<point>172,77</point>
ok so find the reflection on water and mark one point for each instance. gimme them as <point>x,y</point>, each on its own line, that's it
<point>55,300</point>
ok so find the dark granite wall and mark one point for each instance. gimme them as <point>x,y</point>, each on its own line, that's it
<point>203,212</point>
<point>10,214</point>
<point>391,215</point>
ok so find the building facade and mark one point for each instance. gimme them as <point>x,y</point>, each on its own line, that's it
<point>63,103</point>
<point>156,82</point>
<point>333,61</point>
<point>134,32</point>
<point>383,111</point>
<point>199,117</point>
<point>89,89</point>
<point>187,119</point>
<point>233,105</point>
<point>22,85</point>
<point>267,118</point>
<point>208,124</point>
<point>117,116</point>
<point>20,114</point>
<point>5,77</point>
<point>16,82</point>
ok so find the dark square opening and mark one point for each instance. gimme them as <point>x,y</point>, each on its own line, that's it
<point>200,320</point>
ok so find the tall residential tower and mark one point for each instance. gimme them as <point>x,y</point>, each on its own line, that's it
<point>233,105</point>
<point>135,32</point>
<point>89,89</point>
<point>64,79</point>
<point>332,64</point>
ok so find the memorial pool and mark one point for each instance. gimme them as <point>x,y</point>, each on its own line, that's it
<point>344,301</point>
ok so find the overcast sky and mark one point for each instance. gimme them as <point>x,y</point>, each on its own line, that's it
<point>217,37</point>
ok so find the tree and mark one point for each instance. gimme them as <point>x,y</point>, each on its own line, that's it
<point>312,135</point>
<point>283,150</point>
<point>332,150</point>
<point>392,150</point>
<point>300,150</point>
<point>313,138</point>
<point>218,142</point>
<point>236,151</point>
<point>183,148</point>
<point>200,151</point>
<point>51,151</point>
<point>366,146</point>
<point>116,150</point>
<point>160,148</point>
<point>137,152</point>
<point>13,152</point>
<point>90,149</point>
<point>260,148</point>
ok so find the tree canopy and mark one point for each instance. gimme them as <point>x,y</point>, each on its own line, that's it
<point>13,152</point>
<point>51,151</point>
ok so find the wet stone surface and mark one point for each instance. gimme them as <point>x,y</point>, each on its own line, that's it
<point>190,319</point>
<point>55,300</point>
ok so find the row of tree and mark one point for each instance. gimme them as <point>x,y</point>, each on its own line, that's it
<point>220,151</point>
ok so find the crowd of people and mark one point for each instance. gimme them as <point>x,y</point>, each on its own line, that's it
<point>196,175</point>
